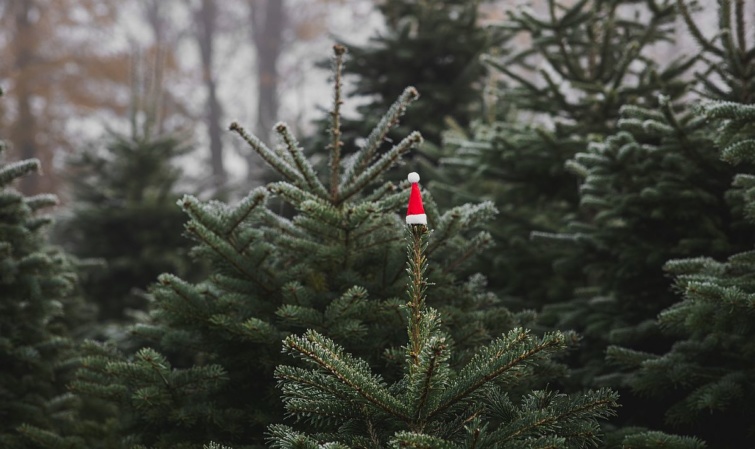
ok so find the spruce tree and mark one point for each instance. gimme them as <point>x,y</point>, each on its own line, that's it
<point>335,267</point>
<point>39,309</point>
<point>582,62</point>
<point>124,213</point>
<point>432,405</point>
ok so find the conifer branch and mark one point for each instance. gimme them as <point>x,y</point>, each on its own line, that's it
<point>242,211</point>
<point>335,125</point>
<point>302,164</point>
<point>324,353</point>
<point>17,169</point>
<point>387,160</point>
<point>273,159</point>
<point>495,360</point>
<point>574,69</point>
<point>291,379</point>
<point>696,33</point>
<point>594,403</point>
<point>739,14</point>
<point>377,135</point>
<point>417,266</point>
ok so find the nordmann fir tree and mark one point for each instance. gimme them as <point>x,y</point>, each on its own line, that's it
<point>432,45</point>
<point>653,191</point>
<point>704,379</point>
<point>335,268</point>
<point>583,61</point>
<point>123,213</point>
<point>640,189</point>
<point>39,309</point>
<point>433,405</point>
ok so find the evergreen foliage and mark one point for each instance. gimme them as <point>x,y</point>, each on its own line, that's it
<point>707,373</point>
<point>559,93</point>
<point>39,308</point>
<point>433,405</point>
<point>656,190</point>
<point>653,191</point>
<point>334,267</point>
<point>124,213</point>
<point>432,45</point>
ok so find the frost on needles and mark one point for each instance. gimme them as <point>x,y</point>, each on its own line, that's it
<point>332,263</point>
<point>344,404</point>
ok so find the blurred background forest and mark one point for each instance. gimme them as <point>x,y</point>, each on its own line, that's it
<point>73,70</point>
<point>186,185</point>
<point>76,69</point>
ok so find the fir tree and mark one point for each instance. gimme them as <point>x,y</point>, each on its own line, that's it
<point>335,267</point>
<point>559,93</point>
<point>655,190</point>
<point>432,45</point>
<point>124,214</point>
<point>39,308</point>
<point>433,405</point>
<point>707,374</point>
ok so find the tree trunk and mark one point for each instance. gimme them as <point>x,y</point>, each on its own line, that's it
<point>25,129</point>
<point>206,31</point>
<point>268,21</point>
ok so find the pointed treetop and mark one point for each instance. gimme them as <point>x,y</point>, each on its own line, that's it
<point>415,213</point>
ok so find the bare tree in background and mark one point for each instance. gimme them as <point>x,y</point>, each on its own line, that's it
<point>45,58</point>
<point>155,69</point>
<point>205,19</point>
<point>23,134</point>
<point>268,18</point>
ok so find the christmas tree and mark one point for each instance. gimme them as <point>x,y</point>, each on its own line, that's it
<point>583,61</point>
<point>124,214</point>
<point>432,405</point>
<point>705,377</point>
<point>432,45</point>
<point>335,267</point>
<point>39,309</point>
<point>654,190</point>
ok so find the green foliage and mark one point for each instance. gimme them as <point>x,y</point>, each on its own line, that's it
<point>434,46</point>
<point>558,94</point>
<point>707,373</point>
<point>653,191</point>
<point>650,440</point>
<point>39,309</point>
<point>334,267</point>
<point>432,405</point>
<point>124,214</point>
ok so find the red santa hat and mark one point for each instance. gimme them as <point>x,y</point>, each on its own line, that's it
<point>415,213</point>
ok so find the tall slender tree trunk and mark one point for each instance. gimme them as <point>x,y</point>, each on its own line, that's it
<point>154,87</point>
<point>268,19</point>
<point>25,129</point>
<point>207,27</point>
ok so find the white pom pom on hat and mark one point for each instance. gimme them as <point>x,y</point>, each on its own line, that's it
<point>415,213</point>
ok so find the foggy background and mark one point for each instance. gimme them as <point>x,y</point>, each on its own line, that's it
<point>73,70</point>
